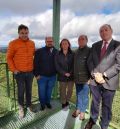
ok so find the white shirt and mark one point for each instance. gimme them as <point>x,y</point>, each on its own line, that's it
<point>108,42</point>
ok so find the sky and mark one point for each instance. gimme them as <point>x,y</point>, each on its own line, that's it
<point>77,17</point>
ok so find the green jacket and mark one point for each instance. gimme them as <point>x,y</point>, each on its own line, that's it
<point>81,74</point>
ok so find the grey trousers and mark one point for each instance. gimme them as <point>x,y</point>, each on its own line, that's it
<point>105,97</point>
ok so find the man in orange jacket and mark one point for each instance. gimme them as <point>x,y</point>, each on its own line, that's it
<point>20,61</point>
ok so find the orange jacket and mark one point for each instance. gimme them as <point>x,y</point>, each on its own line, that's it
<point>20,55</point>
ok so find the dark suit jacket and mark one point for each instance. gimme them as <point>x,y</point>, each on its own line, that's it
<point>110,64</point>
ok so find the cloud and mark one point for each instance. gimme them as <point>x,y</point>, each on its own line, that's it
<point>23,7</point>
<point>9,29</point>
<point>41,26</point>
<point>90,25</point>
<point>66,16</point>
<point>93,6</point>
<point>31,7</point>
<point>72,26</point>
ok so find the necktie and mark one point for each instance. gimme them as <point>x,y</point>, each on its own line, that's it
<point>103,50</point>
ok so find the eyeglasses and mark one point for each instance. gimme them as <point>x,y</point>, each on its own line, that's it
<point>49,41</point>
<point>23,33</point>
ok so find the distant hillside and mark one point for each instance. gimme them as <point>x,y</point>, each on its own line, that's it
<point>3,49</point>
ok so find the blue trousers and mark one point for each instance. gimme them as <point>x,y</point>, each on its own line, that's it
<point>99,93</point>
<point>82,91</point>
<point>45,87</point>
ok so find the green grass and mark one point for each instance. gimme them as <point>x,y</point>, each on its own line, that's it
<point>4,101</point>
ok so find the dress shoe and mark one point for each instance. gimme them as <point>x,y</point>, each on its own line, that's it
<point>49,105</point>
<point>76,113</point>
<point>90,124</point>
<point>67,103</point>
<point>42,107</point>
<point>30,109</point>
<point>102,128</point>
<point>21,112</point>
<point>63,106</point>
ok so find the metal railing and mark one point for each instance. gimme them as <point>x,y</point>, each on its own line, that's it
<point>8,91</point>
<point>8,83</point>
<point>6,103</point>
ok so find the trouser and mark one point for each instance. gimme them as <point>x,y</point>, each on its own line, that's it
<point>99,93</point>
<point>66,89</point>
<point>24,83</point>
<point>45,87</point>
<point>82,91</point>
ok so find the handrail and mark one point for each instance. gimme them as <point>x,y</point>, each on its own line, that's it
<point>7,77</point>
<point>14,96</point>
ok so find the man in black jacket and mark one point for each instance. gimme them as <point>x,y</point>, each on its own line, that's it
<point>45,72</point>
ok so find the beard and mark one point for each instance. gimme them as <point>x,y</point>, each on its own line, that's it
<point>50,45</point>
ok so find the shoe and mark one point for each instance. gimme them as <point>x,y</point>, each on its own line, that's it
<point>42,107</point>
<point>102,128</point>
<point>90,124</point>
<point>76,113</point>
<point>67,103</point>
<point>63,106</point>
<point>49,105</point>
<point>82,116</point>
<point>30,109</point>
<point>21,113</point>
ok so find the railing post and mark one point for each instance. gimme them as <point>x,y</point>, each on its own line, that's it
<point>56,33</point>
<point>56,22</point>
<point>8,84</point>
<point>14,91</point>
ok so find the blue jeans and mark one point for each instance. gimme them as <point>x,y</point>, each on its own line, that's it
<point>45,87</point>
<point>82,91</point>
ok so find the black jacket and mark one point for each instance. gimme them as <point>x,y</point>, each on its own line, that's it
<point>44,62</point>
<point>81,74</point>
<point>64,64</point>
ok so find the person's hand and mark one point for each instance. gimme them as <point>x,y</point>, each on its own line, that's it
<point>99,78</point>
<point>88,82</point>
<point>67,74</point>
<point>38,77</point>
<point>16,72</point>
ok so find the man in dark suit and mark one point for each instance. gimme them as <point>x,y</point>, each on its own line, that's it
<point>104,66</point>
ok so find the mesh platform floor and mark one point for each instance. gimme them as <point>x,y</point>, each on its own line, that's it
<point>47,119</point>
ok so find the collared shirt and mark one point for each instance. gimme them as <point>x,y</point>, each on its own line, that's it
<point>108,42</point>
<point>51,49</point>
